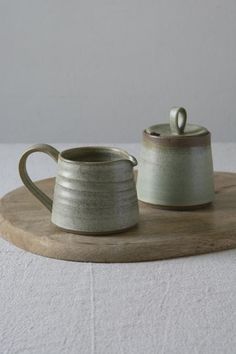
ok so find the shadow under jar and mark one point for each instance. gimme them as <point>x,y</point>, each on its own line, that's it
<point>94,191</point>
<point>176,169</point>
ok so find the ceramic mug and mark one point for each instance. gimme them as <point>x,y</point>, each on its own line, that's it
<point>94,191</point>
<point>176,169</point>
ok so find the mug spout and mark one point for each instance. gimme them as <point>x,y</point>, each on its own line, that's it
<point>133,160</point>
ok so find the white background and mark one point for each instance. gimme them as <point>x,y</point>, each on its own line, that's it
<point>92,71</point>
<point>178,306</point>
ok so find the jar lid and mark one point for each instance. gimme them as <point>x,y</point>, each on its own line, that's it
<point>177,126</point>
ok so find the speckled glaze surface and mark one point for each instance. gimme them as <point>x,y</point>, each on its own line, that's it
<point>94,192</point>
<point>176,169</point>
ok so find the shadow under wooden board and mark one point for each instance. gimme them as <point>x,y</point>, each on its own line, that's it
<point>161,234</point>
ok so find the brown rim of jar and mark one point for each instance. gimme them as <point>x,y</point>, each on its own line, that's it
<point>178,141</point>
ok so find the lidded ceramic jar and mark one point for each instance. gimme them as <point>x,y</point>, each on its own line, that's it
<point>176,169</point>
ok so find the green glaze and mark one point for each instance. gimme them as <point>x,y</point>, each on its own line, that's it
<point>173,174</point>
<point>94,192</point>
<point>178,118</point>
<point>177,126</point>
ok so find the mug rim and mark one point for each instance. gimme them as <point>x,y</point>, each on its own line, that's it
<point>126,155</point>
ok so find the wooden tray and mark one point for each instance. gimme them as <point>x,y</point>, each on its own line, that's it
<point>161,234</point>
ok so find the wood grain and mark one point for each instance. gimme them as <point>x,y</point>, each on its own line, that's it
<point>160,234</point>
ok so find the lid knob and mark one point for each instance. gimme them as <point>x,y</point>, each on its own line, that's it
<point>178,118</point>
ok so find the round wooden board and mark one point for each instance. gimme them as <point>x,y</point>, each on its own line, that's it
<point>161,234</point>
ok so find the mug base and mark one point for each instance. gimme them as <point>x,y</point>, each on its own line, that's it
<point>178,207</point>
<point>100,233</point>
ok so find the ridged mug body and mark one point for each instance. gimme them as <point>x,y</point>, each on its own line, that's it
<point>95,198</point>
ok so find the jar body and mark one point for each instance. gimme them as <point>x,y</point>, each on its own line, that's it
<point>95,199</point>
<point>176,173</point>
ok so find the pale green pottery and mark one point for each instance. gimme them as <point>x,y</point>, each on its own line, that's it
<point>94,191</point>
<point>176,169</point>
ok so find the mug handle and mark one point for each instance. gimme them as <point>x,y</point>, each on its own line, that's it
<point>30,185</point>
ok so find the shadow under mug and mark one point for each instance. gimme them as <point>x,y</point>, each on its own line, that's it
<point>94,192</point>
